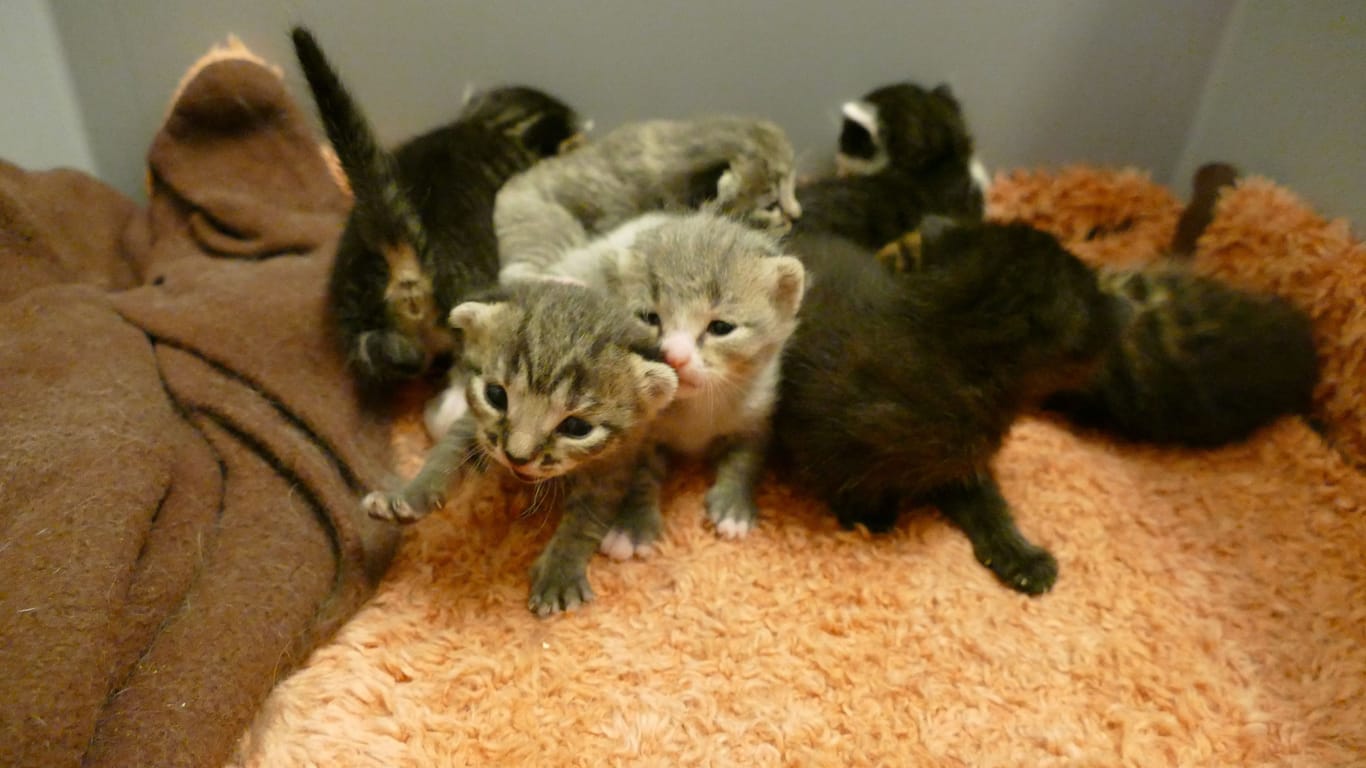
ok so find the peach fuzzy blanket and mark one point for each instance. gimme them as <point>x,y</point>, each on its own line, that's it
<point>1211,607</point>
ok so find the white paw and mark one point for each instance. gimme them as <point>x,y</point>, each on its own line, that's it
<point>732,528</point>
<point>617,545</point>
<point>390,508</point>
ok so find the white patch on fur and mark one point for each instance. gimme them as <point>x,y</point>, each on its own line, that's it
<point>445,409</point>
<point>729,528</point>
<point>979,174</point>
<point>617,545</point>
<point>864,114</point>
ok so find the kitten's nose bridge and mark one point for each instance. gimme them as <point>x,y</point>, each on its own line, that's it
<point>520,448</point>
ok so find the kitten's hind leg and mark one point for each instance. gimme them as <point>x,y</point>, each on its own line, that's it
<point>978,509</point>
<point>638,523</point>
<point>730,502</point>
<point>384,355</point>
<point>426,492</point>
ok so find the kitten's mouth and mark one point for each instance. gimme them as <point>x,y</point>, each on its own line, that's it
<point>525,477</point>
<point>689,383</point>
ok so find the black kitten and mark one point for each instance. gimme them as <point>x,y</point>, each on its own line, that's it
<point>420,235</point>
<point>901,388</point>
<point>904,152</point>
<point>1197,362</point>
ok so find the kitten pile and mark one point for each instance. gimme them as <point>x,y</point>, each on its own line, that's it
<point>668,292</point>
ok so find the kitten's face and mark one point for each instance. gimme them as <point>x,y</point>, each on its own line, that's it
<point>543,124</point>
<point>720,297</point>
<point>760,187</point>
<point>558,378</point>
<point>902,126</point>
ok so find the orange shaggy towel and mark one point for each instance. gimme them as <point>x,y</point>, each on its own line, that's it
<point>1211,607</point>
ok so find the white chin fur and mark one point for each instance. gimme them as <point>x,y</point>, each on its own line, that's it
<point>858,166</point>
<point>444,410</point>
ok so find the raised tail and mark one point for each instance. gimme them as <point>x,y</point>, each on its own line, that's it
<point>382,213</point>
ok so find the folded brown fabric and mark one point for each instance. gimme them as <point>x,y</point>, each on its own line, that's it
<point>181,448</point>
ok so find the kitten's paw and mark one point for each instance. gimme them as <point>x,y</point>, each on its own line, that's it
<point>558,586</point>
<point>633,533</point>
<point>733,514</point>
<point>619,545</point>
<point>1023,567</point>
<point>398,507</point>
<point>388,354</point>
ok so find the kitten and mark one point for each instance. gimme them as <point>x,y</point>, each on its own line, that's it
<point>734,166</point>
<point>901,388</point>
<point>904,152</point>
<point>722,300</point>
<point>420,234</point>
<point>561,385</point>
<point>1197,362</point>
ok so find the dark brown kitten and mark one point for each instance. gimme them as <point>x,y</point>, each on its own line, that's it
<point>900,388</point>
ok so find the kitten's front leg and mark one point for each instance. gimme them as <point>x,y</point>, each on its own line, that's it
<point>559,577</point>
<point>426,492</point>
<point>730,501</point>
<point>978,509</point>
<point>638,523</point>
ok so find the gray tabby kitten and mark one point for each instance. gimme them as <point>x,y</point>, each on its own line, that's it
<point>722,299</point>
<point>739,167</point>
<point>561,386</point>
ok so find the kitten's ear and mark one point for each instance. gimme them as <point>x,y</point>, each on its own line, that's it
<point>658,383</point>
<point>788,283</point>
<point>473,319</point>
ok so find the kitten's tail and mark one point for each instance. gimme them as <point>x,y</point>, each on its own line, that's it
<point>382,213</point>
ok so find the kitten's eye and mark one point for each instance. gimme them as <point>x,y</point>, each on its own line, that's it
<point>497,396</point>
<point>574,427</point>
<point>649,317</point>
<point>720,327</point>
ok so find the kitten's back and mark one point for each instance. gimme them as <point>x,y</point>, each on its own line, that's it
<point>901,383</point>
<point>1197,362</point>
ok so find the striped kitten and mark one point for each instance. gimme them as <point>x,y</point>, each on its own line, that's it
<point>738,167</point>
<point>561,386</point>
<point>722,299</point>
<point>420,234</point>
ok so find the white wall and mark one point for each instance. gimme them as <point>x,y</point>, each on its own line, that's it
<point>1044,82</point>
<point>40,123</point>
<point>1286,98</point>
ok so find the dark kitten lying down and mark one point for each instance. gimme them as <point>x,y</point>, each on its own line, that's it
<point>901,388</point>
<point>1197,362</point>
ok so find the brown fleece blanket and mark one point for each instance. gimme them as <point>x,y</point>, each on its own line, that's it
<point>180,446</point>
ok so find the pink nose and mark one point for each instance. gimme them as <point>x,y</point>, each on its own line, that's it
<point>677,358</point>
<point>678,350</point>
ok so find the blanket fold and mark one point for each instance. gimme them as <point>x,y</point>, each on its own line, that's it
<point>181,447</point>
